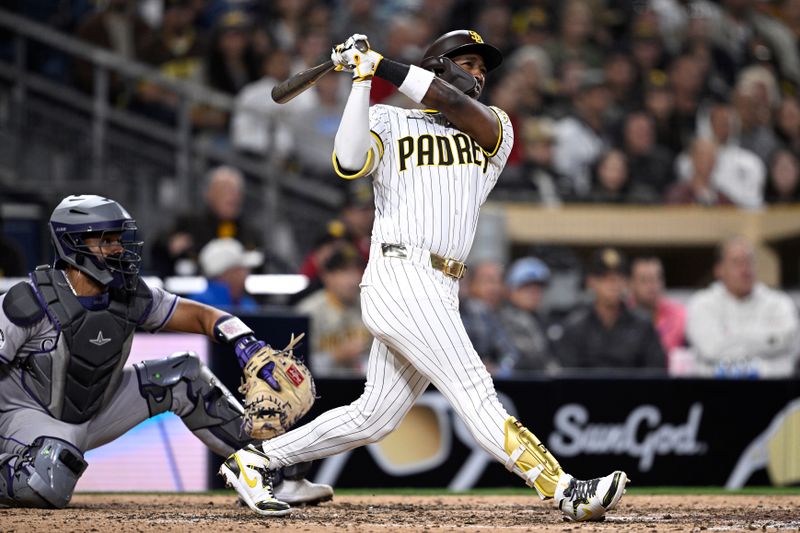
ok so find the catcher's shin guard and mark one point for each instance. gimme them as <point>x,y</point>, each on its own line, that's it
<point>184,385</point>
<point>44,475</point>
<point>528,458</point>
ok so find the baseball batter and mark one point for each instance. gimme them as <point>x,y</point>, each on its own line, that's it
<point>432,170</point>
<point>64,339</point>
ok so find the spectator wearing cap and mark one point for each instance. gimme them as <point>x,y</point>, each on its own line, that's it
<point>520,316</point>
<point>484,294</point>
<point>232,61</point>
<point>226,264</point>
<point>738,326</point>
<point>607,334</point>
<point>647,297</point>
<point>582,137</point>
<point>353,226</point>
<point>339,340</point>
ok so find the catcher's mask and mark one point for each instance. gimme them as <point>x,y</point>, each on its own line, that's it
<point>438,58</point>
<point>80,217</point>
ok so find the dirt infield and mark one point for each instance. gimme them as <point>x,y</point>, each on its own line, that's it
<point>145,513</point>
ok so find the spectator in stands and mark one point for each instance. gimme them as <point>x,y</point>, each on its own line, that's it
<point>492,22</point>
<point>117,28</point>
<point>260,127</point>
<point>532,24</point>
<point>581,138</point>
<point>520,316</point>
<point>783,184</point>
<point>620,74</point>
<point>366,17</point>
<point>787,123</point>
<point>607,334</point>
<point>738,326</point>
<point>226,264</point>
<point>480,312</point>
<point>647,47</point>
<point>287,21</point>
<point>612,183</point>
<point>358,215</point>
<point>178,50</point>
<point>686,83</point>
<point>339,340</point>
<point>659,103</point>
<point>647,296</point>
<point>534,179</point>
<point>575,37</point>
<point>699,188</point>
<point>737,172</point>
<point>222,217</point>
<point>649,164</point>
<point>756,86</point>
<point>739,23</point>
<point>232,62</point>
<point>535,69</point>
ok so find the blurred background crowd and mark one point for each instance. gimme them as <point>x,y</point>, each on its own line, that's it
<point>643,102</point>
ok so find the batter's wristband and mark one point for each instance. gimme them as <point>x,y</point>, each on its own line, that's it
<point>392,71</point>
<point>412,81</point>
<point>229,329</point>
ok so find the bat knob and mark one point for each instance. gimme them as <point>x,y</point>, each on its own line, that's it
<point>362,46</point>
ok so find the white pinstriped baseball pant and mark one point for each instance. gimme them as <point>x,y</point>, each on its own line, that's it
<point>412,310</point>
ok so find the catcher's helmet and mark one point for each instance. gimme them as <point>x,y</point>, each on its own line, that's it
<point>438,58</point>
<point>81,216</point>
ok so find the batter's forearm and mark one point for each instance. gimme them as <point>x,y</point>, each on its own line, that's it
<point>465,113</point>
<point>352,142</point>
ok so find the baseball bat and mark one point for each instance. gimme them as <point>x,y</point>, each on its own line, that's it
<point>294,85</point>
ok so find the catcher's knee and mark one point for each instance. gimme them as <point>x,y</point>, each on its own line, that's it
<point>159,377</point>
<point>43,476</point>
<point>208,405</point>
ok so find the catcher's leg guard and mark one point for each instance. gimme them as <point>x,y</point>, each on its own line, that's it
<point>182,384</point>
<point>43,476</point>
<point>528,458</point>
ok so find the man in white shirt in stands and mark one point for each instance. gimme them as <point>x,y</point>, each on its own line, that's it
<point>738,327</point>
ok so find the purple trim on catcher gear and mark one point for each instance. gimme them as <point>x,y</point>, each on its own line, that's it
<point>166,318</point>
<point>43,303</point>
<point>245,348</point>
<point>14,440</point>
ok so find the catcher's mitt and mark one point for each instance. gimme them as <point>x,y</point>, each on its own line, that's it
<point>269,413</point>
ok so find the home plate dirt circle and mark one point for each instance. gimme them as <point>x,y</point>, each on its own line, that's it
<point>121,513</point>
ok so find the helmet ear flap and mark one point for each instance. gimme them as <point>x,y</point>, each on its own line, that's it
<point>446,69</point>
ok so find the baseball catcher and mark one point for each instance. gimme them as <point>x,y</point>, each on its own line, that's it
<point>65,336</point>
<point>432,169</point>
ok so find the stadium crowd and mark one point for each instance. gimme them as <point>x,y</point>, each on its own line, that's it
<point>640,101</point>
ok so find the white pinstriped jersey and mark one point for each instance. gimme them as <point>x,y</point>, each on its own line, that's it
<point>430,178</point>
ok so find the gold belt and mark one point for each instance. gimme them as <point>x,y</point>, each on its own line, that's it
<point>449,267</point>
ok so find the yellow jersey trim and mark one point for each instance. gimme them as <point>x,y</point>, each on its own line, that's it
<point>380,144</point>
<point>499,137</point>
<point>364,169</point>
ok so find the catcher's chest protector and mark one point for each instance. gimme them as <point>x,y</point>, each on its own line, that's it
<point>78,377</point>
